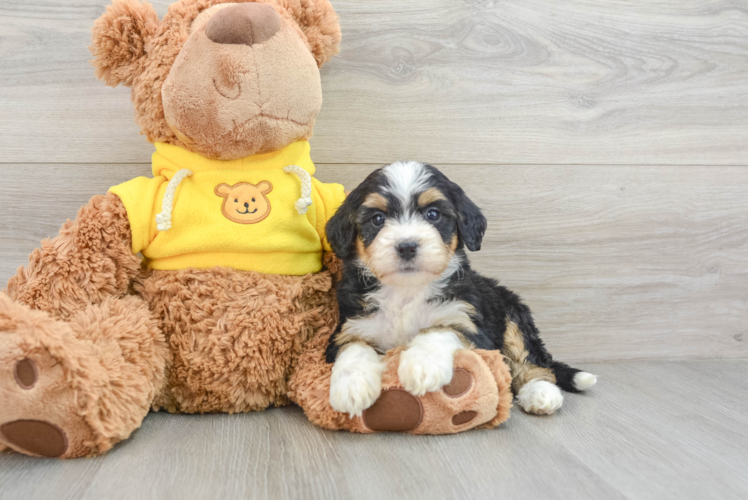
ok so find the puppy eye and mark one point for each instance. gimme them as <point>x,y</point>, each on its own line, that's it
<point>378,219</point>
<point>433,215</point>
<point>253,199</point>
<point>236,200</point>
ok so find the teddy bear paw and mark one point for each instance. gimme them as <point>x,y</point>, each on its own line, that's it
<point>26,423</point>
<point>454,407</point>
<point>38,413</point>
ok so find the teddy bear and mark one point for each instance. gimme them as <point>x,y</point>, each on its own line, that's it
<point>210,286</point>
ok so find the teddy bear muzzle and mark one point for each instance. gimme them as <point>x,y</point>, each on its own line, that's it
<point>243,24</point>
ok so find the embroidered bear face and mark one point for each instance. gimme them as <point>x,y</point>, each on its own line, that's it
<point>245,203</point>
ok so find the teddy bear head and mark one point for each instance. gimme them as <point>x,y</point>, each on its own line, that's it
<point>220,78</point>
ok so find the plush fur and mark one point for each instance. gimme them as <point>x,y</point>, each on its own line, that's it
<point>407,281</point>
<point>235,336</point>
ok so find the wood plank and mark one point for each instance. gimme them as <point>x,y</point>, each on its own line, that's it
<point>652,430</point>
<point>648,430</point>
<point>617,262</point>
<point>517,81</point>
<point>279,454</point>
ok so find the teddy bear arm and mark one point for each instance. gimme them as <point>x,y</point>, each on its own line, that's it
<point>89,260</point>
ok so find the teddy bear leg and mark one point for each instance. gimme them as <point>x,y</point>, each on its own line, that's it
<point>73,389</point>
<point>479,395</point>
<point>89,260</point>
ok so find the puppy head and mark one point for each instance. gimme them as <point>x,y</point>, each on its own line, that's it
<point>404,223</point>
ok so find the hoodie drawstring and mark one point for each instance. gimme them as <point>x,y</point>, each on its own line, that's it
<point>303,203</point>
<point>163,220</point>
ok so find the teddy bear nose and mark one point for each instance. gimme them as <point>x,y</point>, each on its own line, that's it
<point>244,24</point>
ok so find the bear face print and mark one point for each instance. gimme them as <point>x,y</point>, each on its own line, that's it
<point>245,203</point>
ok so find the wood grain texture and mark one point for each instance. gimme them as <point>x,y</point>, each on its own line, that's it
<point>444,81</point>
<point>649,430</point>
<point>616,262</point>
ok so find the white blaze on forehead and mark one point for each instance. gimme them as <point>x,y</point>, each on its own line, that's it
<point>406,179</point>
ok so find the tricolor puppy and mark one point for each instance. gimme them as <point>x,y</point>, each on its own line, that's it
<point>407,282</point>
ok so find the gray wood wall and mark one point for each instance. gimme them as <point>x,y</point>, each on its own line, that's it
<point>606,141</point>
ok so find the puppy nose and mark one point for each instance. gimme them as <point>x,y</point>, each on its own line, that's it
<point>244,24</point>
<point>246,205</point>
<point>407,250</point>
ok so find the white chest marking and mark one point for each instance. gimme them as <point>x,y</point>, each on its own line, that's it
<point>403,312</point>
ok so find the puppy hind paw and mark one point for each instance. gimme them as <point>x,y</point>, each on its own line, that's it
<point>540,397</point>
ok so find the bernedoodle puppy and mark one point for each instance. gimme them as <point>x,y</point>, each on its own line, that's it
<point>407,282</point>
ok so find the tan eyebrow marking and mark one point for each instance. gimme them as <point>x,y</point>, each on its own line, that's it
<point>376,200</point>
<point>430,196</point>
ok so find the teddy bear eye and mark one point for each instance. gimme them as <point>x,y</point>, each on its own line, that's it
<point>236,200</point>
<point>253,199</point>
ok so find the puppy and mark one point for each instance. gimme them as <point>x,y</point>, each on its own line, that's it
<point>407,282</point>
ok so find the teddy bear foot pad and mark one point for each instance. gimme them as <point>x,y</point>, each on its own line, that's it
<point>397,410</point>
<point>36,395</point>
<point>35,437</point>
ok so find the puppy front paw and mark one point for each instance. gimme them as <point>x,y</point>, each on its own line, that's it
<point>354,391</point>
<point>540,397</point>
<point>356,380</point>
<point>423,370</point>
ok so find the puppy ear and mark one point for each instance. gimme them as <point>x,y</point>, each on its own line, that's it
<point>471,223</point>
<point>319,23</point>
<point>119,41</point>
<point>341,229</point>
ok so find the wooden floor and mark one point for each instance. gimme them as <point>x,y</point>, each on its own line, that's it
<point>649,430</point>
<point>607,143</point>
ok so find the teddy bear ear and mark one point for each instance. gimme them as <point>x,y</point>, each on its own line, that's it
<point>119,41</point>
<point>320,24</point>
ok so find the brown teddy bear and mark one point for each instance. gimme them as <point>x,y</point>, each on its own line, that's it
<point>202,289</point>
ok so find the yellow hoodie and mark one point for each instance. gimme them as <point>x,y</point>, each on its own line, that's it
<point>263,213</point>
